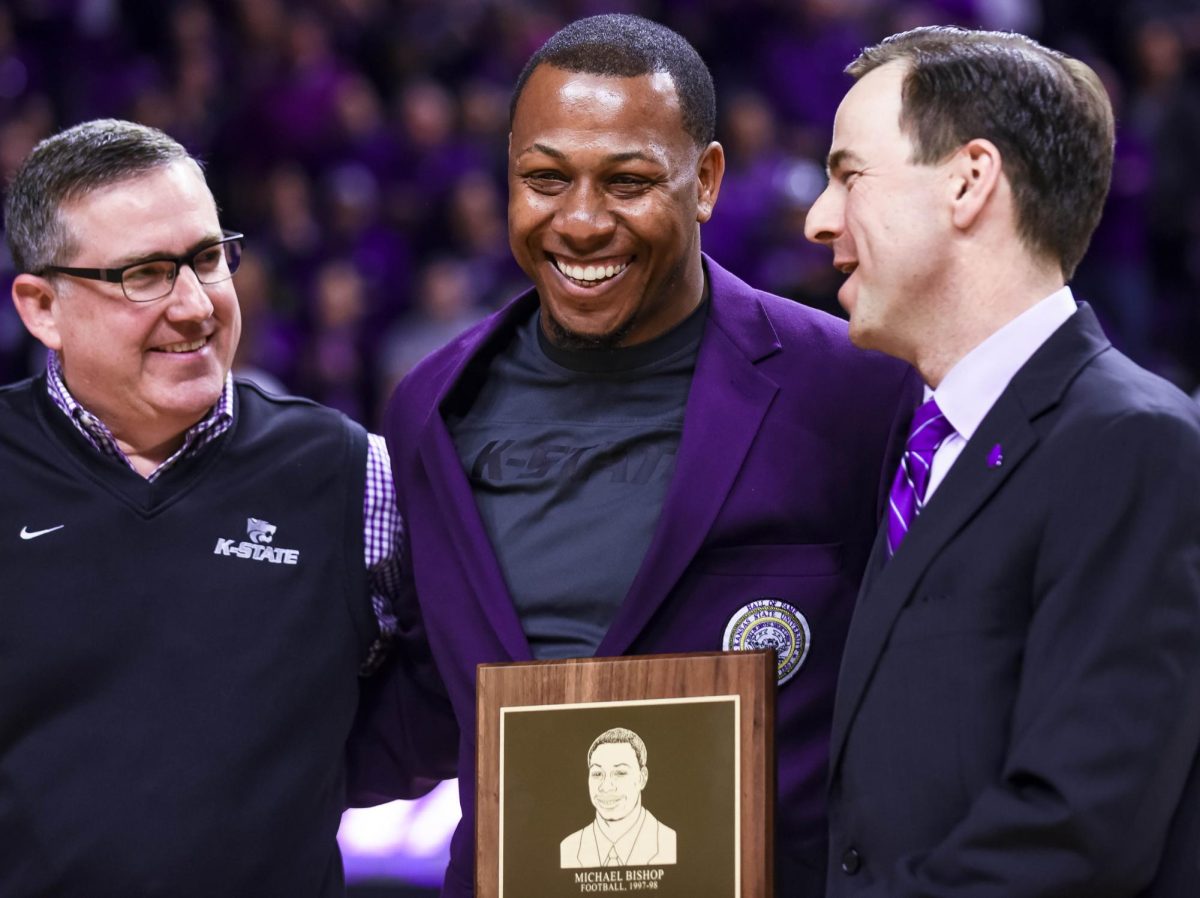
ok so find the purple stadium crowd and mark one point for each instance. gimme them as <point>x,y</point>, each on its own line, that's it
<point>361,147</point>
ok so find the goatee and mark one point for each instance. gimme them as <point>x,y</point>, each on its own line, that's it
<point>565,338</point>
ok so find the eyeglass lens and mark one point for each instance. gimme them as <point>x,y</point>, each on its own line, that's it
<point>154,280</point>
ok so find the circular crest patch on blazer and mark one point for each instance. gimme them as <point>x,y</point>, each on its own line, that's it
<point>770,624</point>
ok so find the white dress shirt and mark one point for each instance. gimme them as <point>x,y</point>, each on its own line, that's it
<point>970,389</point>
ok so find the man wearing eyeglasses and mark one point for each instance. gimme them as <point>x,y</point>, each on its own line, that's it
<point>195,572</point>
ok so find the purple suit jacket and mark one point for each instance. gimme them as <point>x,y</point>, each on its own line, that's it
<point>776,494</point>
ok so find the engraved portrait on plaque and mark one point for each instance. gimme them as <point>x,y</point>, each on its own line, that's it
<point>581,814</point>
<point>624,832</point>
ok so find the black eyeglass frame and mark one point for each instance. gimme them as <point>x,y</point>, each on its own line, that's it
<point>117,275</point>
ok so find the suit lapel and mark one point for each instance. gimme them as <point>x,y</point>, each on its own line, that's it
<point>726,404</point>
<point>968,486</point>
<point>877,560</point>
<point>455,503</point>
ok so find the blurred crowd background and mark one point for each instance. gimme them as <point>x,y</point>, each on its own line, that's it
<point>360,145</point>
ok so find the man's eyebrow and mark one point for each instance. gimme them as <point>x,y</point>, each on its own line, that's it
<point>839,159</point>
<point>544,150</point>
<point>626,156</point>
<point>137,258</point>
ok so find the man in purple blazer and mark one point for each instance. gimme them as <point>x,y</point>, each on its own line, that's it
<point>641,454</point>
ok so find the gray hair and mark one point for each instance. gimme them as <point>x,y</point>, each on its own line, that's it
<point>67,166</point>
<point>618,735</point>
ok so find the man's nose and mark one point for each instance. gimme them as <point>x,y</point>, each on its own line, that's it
<point>189,298</point>
<point>584,218</point>
<point>824,221</point>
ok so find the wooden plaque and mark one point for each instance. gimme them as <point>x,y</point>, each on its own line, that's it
<point>644,773</point>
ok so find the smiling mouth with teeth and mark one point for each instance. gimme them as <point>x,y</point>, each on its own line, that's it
<point>183,347</point>
<point>589,275</point>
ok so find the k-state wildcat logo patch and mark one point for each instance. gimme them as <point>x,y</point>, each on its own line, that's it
<point>258,547</point>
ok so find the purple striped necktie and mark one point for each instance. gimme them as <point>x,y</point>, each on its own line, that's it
<point>929,430</point>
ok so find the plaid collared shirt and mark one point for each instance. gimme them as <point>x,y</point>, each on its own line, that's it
<point>383,530</point>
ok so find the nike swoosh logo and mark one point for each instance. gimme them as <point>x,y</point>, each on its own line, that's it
<point>26,533</point>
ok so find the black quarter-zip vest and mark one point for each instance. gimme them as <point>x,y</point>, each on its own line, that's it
<point>178,659</point>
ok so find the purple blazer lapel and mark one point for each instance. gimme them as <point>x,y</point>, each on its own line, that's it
<point>454,503</point>
<point>728,400</point>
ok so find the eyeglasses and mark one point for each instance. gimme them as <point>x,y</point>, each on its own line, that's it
<point>155,278</point>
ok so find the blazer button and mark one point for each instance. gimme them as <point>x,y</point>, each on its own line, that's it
<point>851,862</point>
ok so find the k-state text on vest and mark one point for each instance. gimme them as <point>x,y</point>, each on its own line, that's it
<point>257,552</point>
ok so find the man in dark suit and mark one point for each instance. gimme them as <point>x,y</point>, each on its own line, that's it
<point>1018,710</point>
<point>642,453</point>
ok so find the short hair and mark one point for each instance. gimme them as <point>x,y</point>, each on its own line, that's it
<point>616,736</point>
<point>627,46</point>
<point>66,166</point>
<point>1047,113</point>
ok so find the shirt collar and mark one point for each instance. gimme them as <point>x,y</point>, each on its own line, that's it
<point>624,843</point>
<point>218,419</point>
<point>972,386</point>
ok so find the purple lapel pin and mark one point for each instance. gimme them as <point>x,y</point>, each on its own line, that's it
<point>996,456</point>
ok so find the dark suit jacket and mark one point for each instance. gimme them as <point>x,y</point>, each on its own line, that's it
<point>1019,703</point>
<point>775,494</point>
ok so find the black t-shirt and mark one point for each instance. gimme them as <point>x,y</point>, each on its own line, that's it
<point>569,454</point>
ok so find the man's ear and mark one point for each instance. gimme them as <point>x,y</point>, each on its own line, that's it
<point>976,171</point>
<point>710,169</point>
<point>34,298</point>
